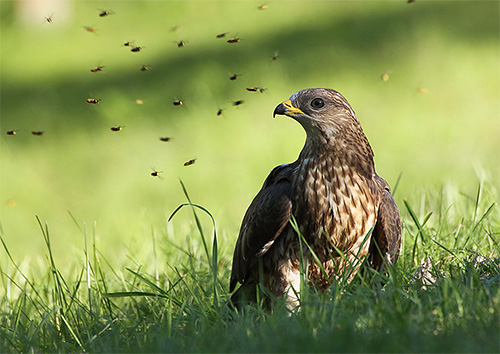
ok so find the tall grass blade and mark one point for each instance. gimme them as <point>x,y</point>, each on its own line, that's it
<point>396,184</point>
<point>70,328</point>
<point>212,258</point>
<point>420,227</point>
<point>59,293</point>
<point>16,266</point>
<point>301,237</point>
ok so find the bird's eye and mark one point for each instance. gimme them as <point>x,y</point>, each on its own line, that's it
<point>317,103</point>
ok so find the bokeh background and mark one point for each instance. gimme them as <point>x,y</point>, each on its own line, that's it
<point>423,78</point>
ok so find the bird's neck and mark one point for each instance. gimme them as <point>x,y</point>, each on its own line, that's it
<point>353,152</point>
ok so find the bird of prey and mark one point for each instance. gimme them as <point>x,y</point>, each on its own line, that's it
<point>344,210</point>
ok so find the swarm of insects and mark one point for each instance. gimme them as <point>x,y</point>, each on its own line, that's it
<point>12,132</point>
<point>166,138</point>
<point>93,100</point>
<point>190,162</point>
<point>117,128</point>
<point>234,40</point>
<point>177,103</point>
<point>37,132</point>
<point>97,68</point>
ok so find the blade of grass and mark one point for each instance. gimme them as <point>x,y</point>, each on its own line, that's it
<point>301,237</point>
<point>213,258</point>
<point>57,281</point>
<point>420,229</point>
<point>70,328</point>
<point>396,184</point>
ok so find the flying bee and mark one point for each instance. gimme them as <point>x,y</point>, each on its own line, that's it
<point>422,90</point>
<point>234,77</point>
<point>144,67</point>
<point>37,132</point>
<point>220,111</point>
<point>234,40</point>
<point>175,28</point>
<point>12,132</point>
<point>275,56</point>
<point>103,13</point>
<point>136,49</point>
<point>385,77</point>
<point>180,44</point>
<point>97,68</point>
<point>190,162</point>
<point>166,138</point>
<point>237,103</point>
<point>138,101</point>
<point>93,100</point>
<point>91,29</point>
<point>117,128</point>
<point>156,173</point>
<point>263,7</point>
<point>177,103</point>
<point>221,35</point>
<point>128,44</point>
<point>49,19</point>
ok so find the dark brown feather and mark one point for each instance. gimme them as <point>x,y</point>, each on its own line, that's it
<point>265,219</point>
<point>386,237</point>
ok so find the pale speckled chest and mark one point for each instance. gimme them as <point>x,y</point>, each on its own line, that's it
<point>335,207</point>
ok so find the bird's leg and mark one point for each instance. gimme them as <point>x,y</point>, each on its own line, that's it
<point>292,292</point>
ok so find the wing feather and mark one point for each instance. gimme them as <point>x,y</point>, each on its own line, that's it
<point>266,218</point>
<point>386,237</point>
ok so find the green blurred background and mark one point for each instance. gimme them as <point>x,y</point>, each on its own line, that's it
<point>435,120</point>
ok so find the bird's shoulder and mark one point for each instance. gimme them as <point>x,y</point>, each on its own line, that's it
<point>280,174</point>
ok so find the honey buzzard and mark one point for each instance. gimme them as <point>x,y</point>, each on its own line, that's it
<point>343,209</point>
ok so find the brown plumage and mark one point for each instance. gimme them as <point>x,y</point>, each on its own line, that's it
<point>343,209</point>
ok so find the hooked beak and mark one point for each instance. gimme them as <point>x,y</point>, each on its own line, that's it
<point>286,108</point>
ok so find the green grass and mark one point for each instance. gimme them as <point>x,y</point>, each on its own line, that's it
<point>175,299</point>
<point>101,269</point>
<point>448,134</point>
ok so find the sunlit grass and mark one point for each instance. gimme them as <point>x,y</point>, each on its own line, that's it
<point>172,295</point>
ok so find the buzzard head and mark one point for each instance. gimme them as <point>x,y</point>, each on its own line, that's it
<point>330,124</point>
<point>322,112</point>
